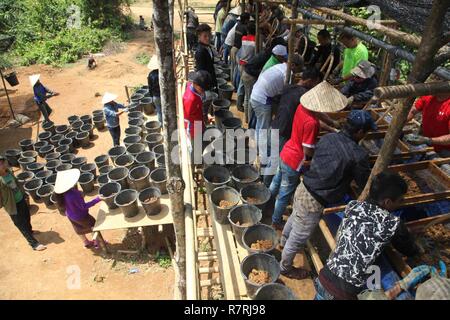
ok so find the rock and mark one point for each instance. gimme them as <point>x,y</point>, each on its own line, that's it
<point>99,278</point>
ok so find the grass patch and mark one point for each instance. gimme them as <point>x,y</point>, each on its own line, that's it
<point>142,58</point>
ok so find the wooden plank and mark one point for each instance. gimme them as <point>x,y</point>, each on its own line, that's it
<point>327,234</point>
<point>439,173</point>
<point>204,232</point>
<point>420,225</point>
<point>209,282</point>
<point>318,265</point>
<point>207,270</point>
<point>397,261</point>
<point>207,258</point>
<point>207,253</point>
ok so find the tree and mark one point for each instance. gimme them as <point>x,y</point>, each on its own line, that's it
<point>163,34</point>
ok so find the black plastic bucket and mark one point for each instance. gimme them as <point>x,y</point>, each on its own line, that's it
<point>105,169</point>
<point>227,194</point>
<point>55,139</point>
<point>73,135</point>
<point>146,158</point>
<point>62,149</point>
<point>67,158</point>
<point>130,140</point>
<point>62,129</point>
<point>24,162</point>
<point>274,291</point>
<point>119,175</point>
<point>259,232</point>
<point>126,200</point>
<point>29,154</point>
<point>135,115</point>
<point>43,175</point>
<point>139,178</point>
<point>102,179</point>
<point>98,113</point>
<point>125,160</point>
<point>158,150</point>
<point>89,167</point>
<point>215,176</point>
<point>108,192</point>
<point>24,177</point>
<point>261,262</point>
<point>45,192</point>
<point>73,119</point>
<point>52,156</point>
<point>99,122</point>
<point>220,104</point>
<point>231,123</point>
<point>244,175</point>
<point>76,126</point>
<point>68,143</point>
<point>161,161</point>
<point>101,160</point>
<point>136,97</point>
<point>48,126</point>
<point>158,178</point>
<point>135,149</point>
<point>258,193</point>
<point>147,106</point>
<point>221,115</point>
<point>12,156</point>
<point>11,78</point>
<point>35,167</point>
<point>88,128</point>
<point>46,150</point>
<point>51,179</point>
<point>53,164</point>
<point>242,217</point>
<point>136,123</point>
<point>77,162</point>
<point>226,91</point>
<point>153,126</point>
<point>45,136</point>
<point>31,187</point>
<point>150,199</point>
<point>63,167</point>
<point>116,151</point>
<point>26,144</point>
<point>86,119</point>
<point>153,139</point>
<point>133,131</point>
<point>83,139</point>
<point>86,182</point>
<point>38,145</point>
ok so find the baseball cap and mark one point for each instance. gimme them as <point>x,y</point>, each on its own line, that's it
<point>201,78</point>
<point>361,119</point>
<point>364,70</point>
<point>280,50</point>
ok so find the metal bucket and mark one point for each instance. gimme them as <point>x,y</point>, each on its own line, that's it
<point>259,232</point>
<point>119,175</point>
<point>139,178</point>
<point>151,208</point>
<point>219,194</point>
<point>159,179</point>
<point>126,200</point>
<point>86,182</point>
<point>108,192</point>
<point>244,175</point>
<point>262,262</point>
<point>242,217</point>
<point>215,176</point>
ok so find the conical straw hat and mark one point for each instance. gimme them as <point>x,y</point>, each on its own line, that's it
<point>65,180</point>
<point>108,97</point>
<point>324,98</point>
<point>34,78</point>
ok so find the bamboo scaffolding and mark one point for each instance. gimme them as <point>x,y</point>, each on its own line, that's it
<point>412,90</point>
<point>314,21</point>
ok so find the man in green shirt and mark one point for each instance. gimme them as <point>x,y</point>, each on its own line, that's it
<point>219,22</point>
<point>354,52</point>
<point>279,55</point>
<point>13,200</point>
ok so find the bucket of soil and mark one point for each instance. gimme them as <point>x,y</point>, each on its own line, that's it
<point>62,129</point>
<point>38,145</point>
<point>76,126</point>
<point>221,115</point>
<point>99,122</point>
<point>147,106</point>
<point>242,217</point>
<point>86,182</point>
<point>35,167</point>
<point>77,162</point>
<point>51,179</point>
<point>223,199</point>
<point>45,192</point>
<point>158,179</point>
<point>72,119</point>
<point>119,175</point>
<point>139,178</point>
<point>53,164</point>
<point>134,107</point>
<point>67,158</point>
<point>153,126</point>
<point>215,176</point>
<point>24,162</point>
<point>86,119</point>
<point>24,177</point>
<point>68,143</point>
<point>43,175</point>
<point>260,238</point>
<point>105,169</point>
<point>29,154</point>
<point>102,179</point>
<point>45,136</point>
<point>153,139</point>
<point>133,131</point>
<point>136,123</point>
<point>116,151</point>
<point>226,91</point>
<point>73,135</point>
<point>244,175</point>
<point>158,150</point>
<point>88,128</point>
<point>101,160</point>
<point>135,115</point>
<point>31,187</point>
<point>220,104</point>
<point>150,199</point>
<point>26,144</point>
<point>126,200</point>
<point>62,150</point>
<point>125,160</point>
<point>63,167</point>
<point>257,194</point>
<point>130,140</point>
<point>48,126</point>
<point>52,156</point>
<point>257,270</point>
<point>55,139</point>
<point>135,149</point>
<point>97,113</point>
<point>46,150</point>
<point>89,167</point>
<point>12,156</point>
<point>108,192</point>
<point>136,97</point>
<point>146,158</point>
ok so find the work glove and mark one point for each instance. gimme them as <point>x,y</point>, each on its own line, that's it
<point>442,272</point>
<point>417,275</point>
<point>418,140</point>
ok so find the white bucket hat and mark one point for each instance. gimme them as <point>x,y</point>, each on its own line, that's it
<point>108,97</point>
<point>280,50</point>
<point>34,78</point>
<point>66,180</point>
<point>324,98</point>
<point>364,69</point>
<point>153,63</point>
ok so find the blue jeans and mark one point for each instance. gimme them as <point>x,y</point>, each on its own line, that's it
<point>237,77</point>
<point>321,292</point>
<point>263,114</point>
<point>115,134</point>
<point>157,103</point>
<point>226,52</point>
<point>218,40</point>
<point>283,185</point>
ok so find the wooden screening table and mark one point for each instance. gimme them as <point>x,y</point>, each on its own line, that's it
<point>112,219</point>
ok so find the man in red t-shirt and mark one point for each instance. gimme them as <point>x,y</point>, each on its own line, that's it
<point>300,147</point>
<point>435,122</point>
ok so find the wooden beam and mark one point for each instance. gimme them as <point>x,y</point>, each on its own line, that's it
<point>208,270</point>
<point>326,22</point>
<point>412,90</point>
<point>420,225</point>
<point>318,265</point>
<point>327,233</point>
<point>404,37</point>
<point>209,282</point>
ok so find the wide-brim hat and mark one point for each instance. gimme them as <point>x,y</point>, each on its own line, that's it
<point>34,78</point>
<point>364,70</point>
<point>108,97</point>
<point>66,180</point>
<point>153,63</point>
<point>323,98</point>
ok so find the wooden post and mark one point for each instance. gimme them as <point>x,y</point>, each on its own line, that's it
<point>257,36</point>
<point>291,43</point>
<point>163,34</point>
<point>422,68</point>
<point>7,95</point>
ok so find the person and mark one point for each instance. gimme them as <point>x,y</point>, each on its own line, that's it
<point>14,201</point>
<point>435,122</point>
<point>142,25</point>
<point>268,87</point>
<point>366,228</point>
<point>194,118</point>
<point>112,113</point>
<point>92,64</point>
<point>191,27</point>
<point>244,54</point>
<point>239,31</point>
<point>41,94</point>
<point>204,56</point>
<point>354,52</point>
<point>153,85</point>
<point>279,55</point>
<point>359,88</point>
<point>300,147</point>
<point>338,160</point>
<point>228,36</point>
<point>71,200</point>
<point>324,49</point>
<point>290,97</point>
<point>219,18</point>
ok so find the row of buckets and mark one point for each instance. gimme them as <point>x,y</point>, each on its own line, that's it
<point>232,179</point>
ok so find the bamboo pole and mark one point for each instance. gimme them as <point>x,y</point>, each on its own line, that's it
<point>412,90</point>
<point>257,36</point>
<point>7,95</point>
<point>314,21</point>
<point>404,37</point>
<point>291,42</point>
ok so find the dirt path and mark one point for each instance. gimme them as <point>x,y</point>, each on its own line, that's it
<point>25,274</point>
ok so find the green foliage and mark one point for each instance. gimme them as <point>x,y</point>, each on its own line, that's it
<point>163,261</point>
<point>142,58</point>
<point>43,33</point>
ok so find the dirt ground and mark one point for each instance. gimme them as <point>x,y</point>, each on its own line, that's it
<point>25,274</point>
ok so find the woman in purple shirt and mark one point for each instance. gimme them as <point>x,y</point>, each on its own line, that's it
<point>71,199</point>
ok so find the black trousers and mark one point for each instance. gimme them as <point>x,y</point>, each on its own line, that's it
<point>45,110</point>
<point>115,134</point>
<point>22,222</point>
